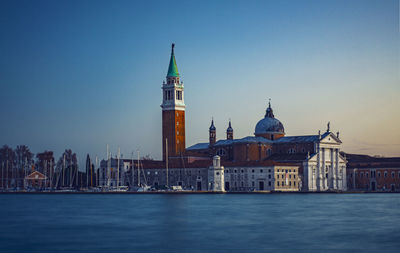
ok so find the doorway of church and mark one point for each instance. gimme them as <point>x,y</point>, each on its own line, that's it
<point>373,186</point>
<point>199,185</point>
<point>261,185</point>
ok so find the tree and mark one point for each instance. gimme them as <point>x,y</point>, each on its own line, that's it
<point>7,162</point>
<point>23,160</point>
<point>45,165</point>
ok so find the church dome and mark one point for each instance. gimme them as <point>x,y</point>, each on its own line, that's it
<point>269,125</point>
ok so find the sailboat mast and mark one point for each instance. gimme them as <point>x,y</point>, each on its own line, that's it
<point>7,173</point>
<point>45,172</point>
<point>133,171</point>
<point>119,153</point>
<point>108,167</point>
<point>166,157</point>
<point>63,177</point>
<point>95,171</point>
<point>70,171</point>
<point>2,175</point>
<point>138,171</point>
<point>77,171</point>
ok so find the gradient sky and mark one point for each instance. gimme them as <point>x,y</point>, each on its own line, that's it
<point>81,74</point>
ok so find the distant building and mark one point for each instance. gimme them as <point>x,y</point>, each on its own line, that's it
<point>36,180</point>
<point>318,156</point>
<point>366,173</point>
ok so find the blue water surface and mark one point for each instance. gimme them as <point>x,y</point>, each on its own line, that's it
<point>200,223</point>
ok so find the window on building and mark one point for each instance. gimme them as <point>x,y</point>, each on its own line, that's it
<point>294,183</point>
<point>392,174</point>
<point>221,152</point>
<point>366,174</point>
<point>252,183</point>
<point>269,183</point>
<point>252,171</point>
<point>283,183</point>
<point>242,171</point>
<point>294,176</point>
<point>290,183</point>
<point>290,176</point>
<point>379,174</point>
<point>269,176</point>
<point>217,173</point>
<point>277,182</point>
<point>261,171</point>
<point>269,171</point>
<point>385,173</point>
<point>361,174</point>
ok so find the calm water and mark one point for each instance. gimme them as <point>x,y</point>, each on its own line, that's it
<point>200,223</point>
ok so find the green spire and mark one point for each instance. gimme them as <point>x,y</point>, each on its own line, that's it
<point>172,69</point>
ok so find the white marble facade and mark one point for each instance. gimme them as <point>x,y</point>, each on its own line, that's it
<point>326,168</point>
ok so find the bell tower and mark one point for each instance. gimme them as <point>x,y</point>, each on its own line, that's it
<point>173,111</point>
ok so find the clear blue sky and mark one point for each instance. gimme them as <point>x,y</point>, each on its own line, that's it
<point>81,74</point>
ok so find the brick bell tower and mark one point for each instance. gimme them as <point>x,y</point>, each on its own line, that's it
<point>173,111</point>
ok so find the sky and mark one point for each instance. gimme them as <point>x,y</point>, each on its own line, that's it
<point>84,74</point>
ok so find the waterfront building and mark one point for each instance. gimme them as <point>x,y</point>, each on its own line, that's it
<point>36,180</point>
<point>367,173</point>
<point>322,167</point>
<point>269,160</point>
<point>115,172</point>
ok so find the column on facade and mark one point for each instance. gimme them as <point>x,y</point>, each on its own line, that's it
<point>324,183</point>
<point>330,171</point>
<point>336,170</point>
<point>318,172</point>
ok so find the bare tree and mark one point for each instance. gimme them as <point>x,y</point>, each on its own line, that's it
<point>7,162</point>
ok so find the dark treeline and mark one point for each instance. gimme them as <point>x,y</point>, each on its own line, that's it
<point>21,169</point>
